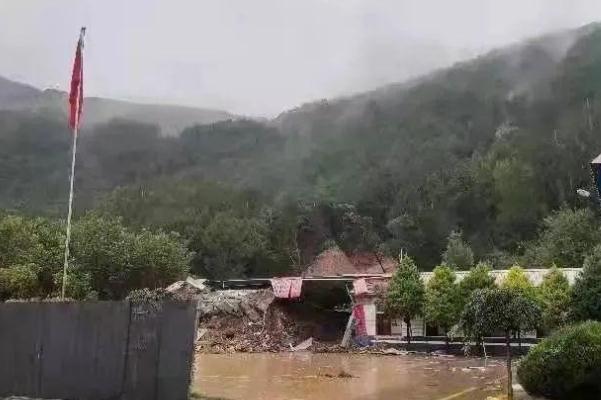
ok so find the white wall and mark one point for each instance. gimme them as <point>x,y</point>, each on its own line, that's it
<point>418,327</point>
<point>370,319</point>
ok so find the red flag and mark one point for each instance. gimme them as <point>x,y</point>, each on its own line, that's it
<point>76,94</point>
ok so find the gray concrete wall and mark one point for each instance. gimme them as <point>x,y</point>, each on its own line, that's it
<point>96,350</point>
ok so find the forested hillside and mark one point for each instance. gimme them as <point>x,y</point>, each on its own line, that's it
<point>170,119</point>
<point>488,148</point>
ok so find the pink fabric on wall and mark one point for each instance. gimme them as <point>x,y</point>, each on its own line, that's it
<point>281,288</point>
<point>360,287</point>
<point>296,285</point>
<point>287,288</point>
<point>359,315</point>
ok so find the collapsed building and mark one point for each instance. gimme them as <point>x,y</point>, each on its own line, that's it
<point>275,314</point>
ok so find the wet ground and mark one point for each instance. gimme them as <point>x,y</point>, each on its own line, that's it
<point>306,376</point>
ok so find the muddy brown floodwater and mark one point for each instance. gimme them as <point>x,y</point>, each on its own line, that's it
<point>296,376</point>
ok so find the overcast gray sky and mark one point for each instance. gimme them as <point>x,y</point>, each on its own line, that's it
<point>259,57</point>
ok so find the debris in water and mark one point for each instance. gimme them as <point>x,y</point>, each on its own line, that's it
<point>344,374</point>
<point>305,345</point>
<point>341,374</point>
<point>394,352</point>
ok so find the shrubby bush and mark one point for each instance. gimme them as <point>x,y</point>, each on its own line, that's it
<point>566,365</point>
<point>108,260</point>
<point>18,281</point>
<point>586,293</point>
<point>554,295</point>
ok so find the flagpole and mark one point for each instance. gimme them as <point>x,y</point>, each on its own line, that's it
<point>70,212</point>
<point>77,92</point>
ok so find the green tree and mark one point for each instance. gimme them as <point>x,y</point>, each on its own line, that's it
<point>517,196</point>
<point>284,222</point>
<point>586,293</point>
<point>566,238</point>
<point>19,242</point>
<point>406,293</point>
<point>359,234</point>
<point>18,282</point>
<point>33,244</point>
<point>51,236</point>
<point>33,149</point>
<point>78,284</point>
<point>517,280</point>
<point>458,254</point>
<point>100,248</point>
<point>479,277</point>
<point>508,310</point>
<point>199,210</point>
<point>118,260</point>
<point>156,260</point>
<point>228,245</point>
<point>443,301</point>
<point>555,295</point>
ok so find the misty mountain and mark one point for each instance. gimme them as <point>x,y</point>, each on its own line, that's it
<point>489,147</point>
<point>171,119</point>
<point>15,95</point>
<point>522,69</point>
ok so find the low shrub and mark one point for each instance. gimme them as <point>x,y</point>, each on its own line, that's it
<point>566,365</point>
<point>18,281</point>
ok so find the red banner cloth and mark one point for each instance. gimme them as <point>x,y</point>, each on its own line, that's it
<point>76,93</point>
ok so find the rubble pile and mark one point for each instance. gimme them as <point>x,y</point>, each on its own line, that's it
<point>244,321</point>
<point>250,304</point>
<point>252,320</point>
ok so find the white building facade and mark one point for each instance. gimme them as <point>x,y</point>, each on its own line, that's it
<point>373,321</point>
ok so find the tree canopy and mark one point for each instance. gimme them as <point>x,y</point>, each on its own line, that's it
<point>502,309</point>
<point>517,281</point>
<point>443,302</point>
<point>458,254</point>
<point>566,238</point>
<point>479,277</point>
<point>586,293</point>
<point>406,293</point>
<point>555,297</point>
<point>108,259</point>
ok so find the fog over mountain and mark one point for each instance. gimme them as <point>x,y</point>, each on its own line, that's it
<point>491,147</point>
<point>264,56</point>
<point>170,119</point>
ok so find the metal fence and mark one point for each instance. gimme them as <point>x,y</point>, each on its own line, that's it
<point>97,350</point>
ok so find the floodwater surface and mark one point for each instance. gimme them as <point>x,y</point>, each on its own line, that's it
<point>307,376</point>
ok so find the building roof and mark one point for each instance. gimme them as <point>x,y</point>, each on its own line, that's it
<point>335,262</point>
